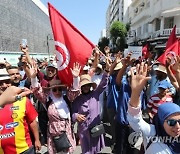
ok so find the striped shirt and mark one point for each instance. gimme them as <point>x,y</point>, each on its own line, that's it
<point>14,121</point>
<point>155,102</point>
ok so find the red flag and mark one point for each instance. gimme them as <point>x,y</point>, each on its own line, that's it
<point>172,38</point>
<point>71,45</point>
<point>171,52</point>
<point>145,51</point>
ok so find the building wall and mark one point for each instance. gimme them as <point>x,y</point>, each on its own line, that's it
<point>145,14</point>
<point>23,19</point>
<point>108,22</point>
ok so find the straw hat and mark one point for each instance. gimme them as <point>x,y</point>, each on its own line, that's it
<point>4,74</point>
<point>55,83</point>
<point>160,68</point>
<point>118,66</point>
<point>86,79</point>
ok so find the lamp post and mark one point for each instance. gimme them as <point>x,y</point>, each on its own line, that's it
<point>47,41</point>
<point>135,39</point>
<point>48,37</point>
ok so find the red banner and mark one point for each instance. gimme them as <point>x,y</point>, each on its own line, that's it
<point>71,45</point>
<point>172,38</point>
<point>171,52</point>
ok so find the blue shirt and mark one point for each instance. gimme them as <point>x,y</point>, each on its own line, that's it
<point>113,93</point>
<point>154,83</point>
<point>123,100</point>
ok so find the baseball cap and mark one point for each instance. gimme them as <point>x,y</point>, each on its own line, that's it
<point>51,65</point>
<point>160,68</point>
<point>164,84</point>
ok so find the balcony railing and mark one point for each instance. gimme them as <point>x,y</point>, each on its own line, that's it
<point>164,33</point>
<point>159,33</point>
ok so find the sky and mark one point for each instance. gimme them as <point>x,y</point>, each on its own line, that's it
<point>88,16</point>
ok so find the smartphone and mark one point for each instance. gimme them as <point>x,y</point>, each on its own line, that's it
<point>24,43</point>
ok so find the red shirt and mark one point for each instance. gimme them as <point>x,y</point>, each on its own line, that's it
<point>155,101</point>
<point>14,121</point>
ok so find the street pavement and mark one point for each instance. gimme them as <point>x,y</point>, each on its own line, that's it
<point>106,150</point>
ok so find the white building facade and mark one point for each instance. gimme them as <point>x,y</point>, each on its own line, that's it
<point>150,20</point>
<point>153,20</point>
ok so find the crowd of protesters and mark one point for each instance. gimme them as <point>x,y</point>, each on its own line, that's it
<point>130,94</point>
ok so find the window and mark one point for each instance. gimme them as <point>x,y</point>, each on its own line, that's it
<point>158,24</point>
<point>145,28</point>
<point>168,22</point>
<point>139,31</point>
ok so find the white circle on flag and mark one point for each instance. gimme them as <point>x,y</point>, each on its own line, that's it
<point>62,63</point>
<point>172,56</point>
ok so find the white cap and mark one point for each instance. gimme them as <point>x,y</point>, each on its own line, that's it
<point>4,74</point>
<point>86,68</point>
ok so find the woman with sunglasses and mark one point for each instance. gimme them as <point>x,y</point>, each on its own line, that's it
<point>58,109</point>
<point>163,136</point>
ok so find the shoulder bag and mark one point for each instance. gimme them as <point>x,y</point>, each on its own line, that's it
<point>62,142</point>
<point>97,130</point>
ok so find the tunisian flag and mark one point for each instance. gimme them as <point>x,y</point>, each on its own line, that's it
<point>171,52</point>
<point>71,45</point>
<point>172,38</point>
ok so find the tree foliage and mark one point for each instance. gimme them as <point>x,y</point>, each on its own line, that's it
<point>102,43</point>
<point>118,34</point>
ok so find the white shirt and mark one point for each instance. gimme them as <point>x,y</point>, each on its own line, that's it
<point>148,130</point>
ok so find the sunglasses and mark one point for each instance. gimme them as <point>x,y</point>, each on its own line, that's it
<point>172,122</point>
<point>5,81</point>
<point>57,89</point>
<point>51,70</point>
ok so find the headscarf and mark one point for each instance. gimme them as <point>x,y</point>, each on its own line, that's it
<point>164,111</point>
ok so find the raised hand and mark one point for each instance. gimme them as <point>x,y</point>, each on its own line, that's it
<point>76,70</point>
<point>139,80</point>
<point>118,58</point>
<point>127,60</point>
<point>34,70</point>
<point>24,50</point>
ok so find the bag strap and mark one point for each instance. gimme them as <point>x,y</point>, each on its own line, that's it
<point>148,144</point>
